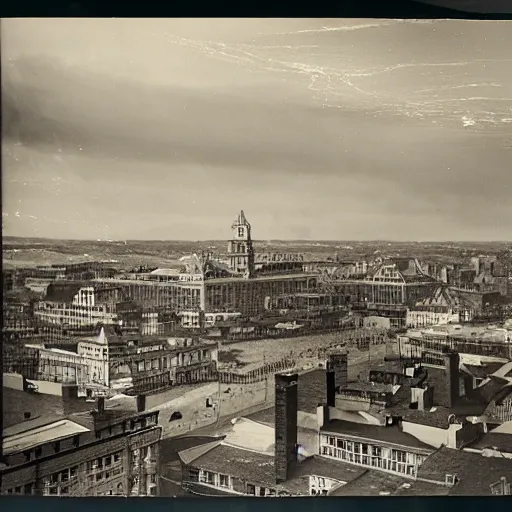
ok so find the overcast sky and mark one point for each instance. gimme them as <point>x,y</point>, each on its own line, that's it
<point>318,129</point>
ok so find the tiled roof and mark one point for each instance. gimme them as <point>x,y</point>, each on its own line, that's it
<point>475,473</point>
<point>378,483</point>
<point>227,460</point>
<point>327,468</point>
<point>191,454</point>
<point>389,435</point>
<point>501,442</point>
<point>438,416</point>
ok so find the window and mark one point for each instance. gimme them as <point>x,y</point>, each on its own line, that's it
<point>224,480</point>
<point>251,489</point>
<point>206,477</point>
<point>193,475</point>
<point>240,231</point>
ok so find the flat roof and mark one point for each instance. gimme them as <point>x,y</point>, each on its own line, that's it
<point>277,277</point>
<point>40,435</point>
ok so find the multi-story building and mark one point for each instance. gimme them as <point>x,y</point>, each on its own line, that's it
<point>76,304</point>
<point>302,454</point>
<point>430,344</point>
<point>98,453</point>
<point>387,289</point>
<point>440,308</point>
<point>117,361</point>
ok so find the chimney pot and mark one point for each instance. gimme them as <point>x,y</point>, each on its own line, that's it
<point>451,363</point>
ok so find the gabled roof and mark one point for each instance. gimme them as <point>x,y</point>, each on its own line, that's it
<point>378,483</point>
<point>475,473</point>
<point>229,460</point>
<point>189,455</point>
<point>481,371</point>
<point>489,389</point>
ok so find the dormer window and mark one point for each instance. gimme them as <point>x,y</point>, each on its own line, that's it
<point>450,479</point>
<point>240,231</point>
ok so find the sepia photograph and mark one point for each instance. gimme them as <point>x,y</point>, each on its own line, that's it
<point>256,257</point>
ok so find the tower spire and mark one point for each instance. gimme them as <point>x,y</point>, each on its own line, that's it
<point>240,249</point>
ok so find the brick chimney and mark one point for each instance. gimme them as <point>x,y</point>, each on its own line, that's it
<point>141,403</point>
<point>100,405</point>
<point>337,364</point>
<point>451,368</point>
<point>330,381</point>
<point>286,405</point>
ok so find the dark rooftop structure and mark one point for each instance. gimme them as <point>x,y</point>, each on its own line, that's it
<point>500,442</point>
<point>482,371</point>
<point>63,292</point>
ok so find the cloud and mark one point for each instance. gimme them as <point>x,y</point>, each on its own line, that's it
<point>323,169</point>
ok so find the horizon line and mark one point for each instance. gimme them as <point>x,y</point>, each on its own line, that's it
<point>7,237</point>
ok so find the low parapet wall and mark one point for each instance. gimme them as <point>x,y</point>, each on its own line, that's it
<point>13,381</point>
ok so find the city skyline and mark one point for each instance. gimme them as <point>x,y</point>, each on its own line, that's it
<point>320,130</point>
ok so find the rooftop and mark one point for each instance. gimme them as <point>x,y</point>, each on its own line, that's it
<point>40,406</point>
<point>42,434</point>
<point>389,435</point>
<point>437,416</point>
<point>482,371</point>
<point>501,442</point>
<point>276,277</point>
<point>228,460</point>
<point>258,468</point>
<point>377,483</point>
<point>475,472</point>
<point>62,292</point>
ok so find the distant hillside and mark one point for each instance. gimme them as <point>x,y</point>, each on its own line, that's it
<point>128,254</point>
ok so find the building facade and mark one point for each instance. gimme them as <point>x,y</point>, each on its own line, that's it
<point>100,454</point>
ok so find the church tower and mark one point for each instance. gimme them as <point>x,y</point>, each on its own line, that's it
<point>241,253</point>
